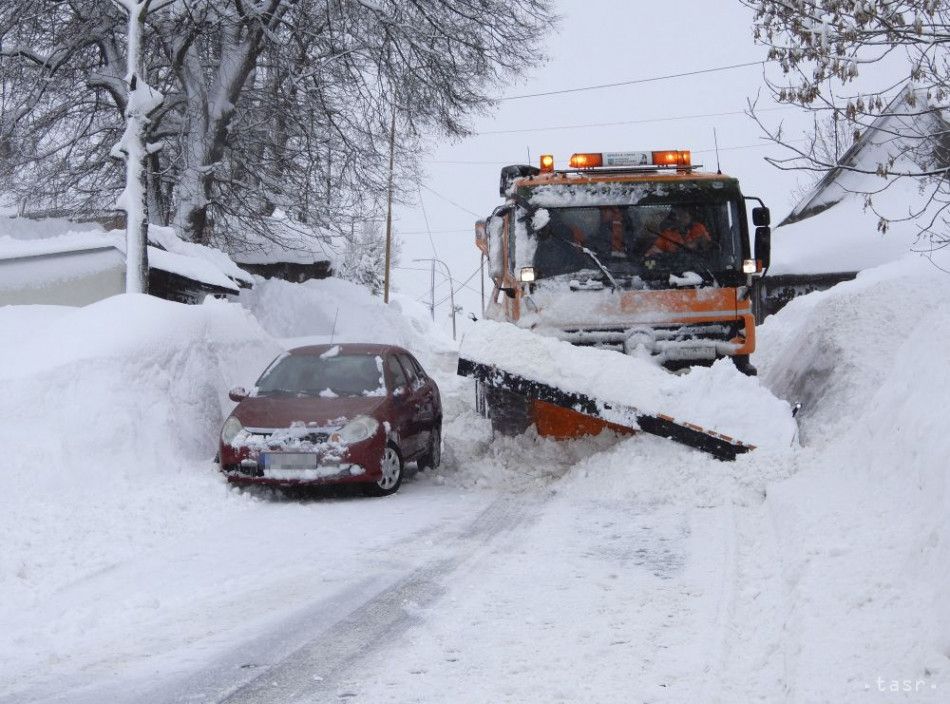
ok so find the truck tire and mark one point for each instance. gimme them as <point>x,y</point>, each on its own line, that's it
<point>744,365</point>
<point>510,414</point>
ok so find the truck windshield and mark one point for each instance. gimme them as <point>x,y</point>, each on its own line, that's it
<point>650,241</point>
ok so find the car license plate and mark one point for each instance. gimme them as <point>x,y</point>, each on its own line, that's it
<point>290,460</point>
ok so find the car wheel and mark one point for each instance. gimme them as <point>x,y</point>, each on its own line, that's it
<point>392,467</point>
<point>433,456</point>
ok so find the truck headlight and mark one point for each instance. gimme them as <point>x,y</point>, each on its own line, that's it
<point>232,426</point>
<point>527,274</point>
<point>359,429</point>
<point>748,266</point>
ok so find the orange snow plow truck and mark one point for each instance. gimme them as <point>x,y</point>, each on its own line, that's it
<point>639,252</point>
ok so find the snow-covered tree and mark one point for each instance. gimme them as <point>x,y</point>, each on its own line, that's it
<point>854,61</point>
<point>269,104</point>
<point>364,256</point>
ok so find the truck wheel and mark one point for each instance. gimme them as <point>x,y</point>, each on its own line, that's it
<point>744,365</point>
<point>510,414</point>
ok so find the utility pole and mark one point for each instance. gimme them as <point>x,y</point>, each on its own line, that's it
<point>448,272</point>
<point>141,101</point>
<point>452,300</point>
<point>432,292</point>
<point>389,205</point>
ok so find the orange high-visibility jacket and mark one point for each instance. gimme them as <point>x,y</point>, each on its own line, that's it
<point>671,240</point>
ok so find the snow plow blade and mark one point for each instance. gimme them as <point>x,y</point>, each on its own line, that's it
<point>719,446</point>
<point>714,409</point>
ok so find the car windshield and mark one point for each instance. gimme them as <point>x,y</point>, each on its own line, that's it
<point>654,240</point>
<point>324,375</point>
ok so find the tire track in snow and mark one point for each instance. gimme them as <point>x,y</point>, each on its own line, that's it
<point>312,671</point>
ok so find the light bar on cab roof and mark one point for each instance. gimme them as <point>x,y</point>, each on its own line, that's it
<point>670,157</point>
<point>586,161</point>
<point>547,163</point>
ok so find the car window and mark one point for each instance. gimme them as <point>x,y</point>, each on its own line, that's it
<point>414,380</point>
<point>395,370</point>
<point>420,372</point>
<point>322,375</point>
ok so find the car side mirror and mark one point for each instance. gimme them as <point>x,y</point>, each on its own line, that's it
<point>763,245</point>
<point>761,217</point>
<point>238,393</point>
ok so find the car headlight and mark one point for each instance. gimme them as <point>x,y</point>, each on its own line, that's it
<point>232,426</point>
<point>359,429</point>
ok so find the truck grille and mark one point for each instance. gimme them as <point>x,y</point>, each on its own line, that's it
<point>615,337</point>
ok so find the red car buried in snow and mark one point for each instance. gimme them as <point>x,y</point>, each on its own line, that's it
<point>348,413</point>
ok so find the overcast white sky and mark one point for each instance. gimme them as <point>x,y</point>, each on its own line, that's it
<point>600,41</point>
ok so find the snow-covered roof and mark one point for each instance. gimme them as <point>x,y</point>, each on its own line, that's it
<point>167,238</point>
<point>290,243</point>
<point>831,230</point>
<point>845,238</point>
<point>896,133</point>
<point>28,238</point>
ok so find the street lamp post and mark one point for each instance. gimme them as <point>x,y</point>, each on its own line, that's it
<point>448,272</point>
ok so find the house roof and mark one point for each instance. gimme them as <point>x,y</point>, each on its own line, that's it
<point>201,264</point>
<point>830,230</point>
<point>903,130</point>
<point>288,243</point>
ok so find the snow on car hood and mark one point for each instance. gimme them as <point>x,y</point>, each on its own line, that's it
<point>282,411</point>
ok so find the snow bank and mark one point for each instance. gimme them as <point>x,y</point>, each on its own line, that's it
<point>321,311</point>
<point>111,414</point>
<point>863,529</point>
<point>717,398</point>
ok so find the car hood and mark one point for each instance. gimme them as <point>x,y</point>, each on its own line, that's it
<point>281,412</point>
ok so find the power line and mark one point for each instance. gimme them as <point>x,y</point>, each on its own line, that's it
<point>634,81</point>
<point>447,199</point>
<point>425,217</point>
<point>462,285</point>
<point>525,130</point>
<point>435,232</point>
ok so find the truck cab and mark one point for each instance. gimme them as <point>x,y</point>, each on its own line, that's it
<point>634,251</point>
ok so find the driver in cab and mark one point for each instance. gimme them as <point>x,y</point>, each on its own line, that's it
<point>680,231</point>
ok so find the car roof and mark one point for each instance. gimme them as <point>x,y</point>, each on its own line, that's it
<point>349,348</point>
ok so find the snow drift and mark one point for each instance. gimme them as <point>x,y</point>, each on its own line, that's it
<point>862,530</point>
<point>111,413</point>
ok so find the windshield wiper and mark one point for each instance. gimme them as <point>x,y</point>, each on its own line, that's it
<point>593,257</point>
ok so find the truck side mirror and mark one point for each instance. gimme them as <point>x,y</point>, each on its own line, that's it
<point>481,236</point>
<point>763,245</point>
<point>761,217</point>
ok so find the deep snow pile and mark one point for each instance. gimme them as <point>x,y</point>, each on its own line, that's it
<point>110,414</point>
<point>717,398</point>
<point>862,531</point>
<point>319,311</point>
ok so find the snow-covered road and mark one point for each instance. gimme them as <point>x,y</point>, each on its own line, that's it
<point>604,570</point>
<point>553,593</point>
